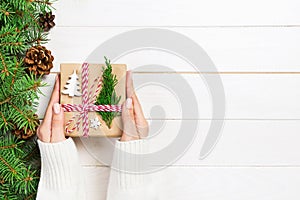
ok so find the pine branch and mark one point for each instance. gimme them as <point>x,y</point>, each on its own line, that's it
<point>107,95</point>
<point>12,170</point>
<point>47,2</point>
<point>8,146</point>
<point>31,153</point>
<point>8,165</point>
<point>14,75</point>
<point>31,196</point>
<point>34,87</point>
<point>1,180</point>
<point>4,67</point>
<point>19,160</point>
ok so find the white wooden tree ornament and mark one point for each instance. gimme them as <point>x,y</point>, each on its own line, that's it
<point>72,86</point>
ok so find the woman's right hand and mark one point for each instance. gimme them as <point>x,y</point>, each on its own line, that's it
<point>135,126</point>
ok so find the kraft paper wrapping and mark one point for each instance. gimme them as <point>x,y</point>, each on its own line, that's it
<point>95,70</point>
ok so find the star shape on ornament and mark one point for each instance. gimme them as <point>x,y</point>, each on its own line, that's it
<point>95,123</point>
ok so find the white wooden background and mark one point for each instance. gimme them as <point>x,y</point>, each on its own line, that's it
<point>255,46</point>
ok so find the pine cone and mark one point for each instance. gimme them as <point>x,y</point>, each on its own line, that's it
<point>39,60</point>
<point>24,133</point>
<point>46,21</point>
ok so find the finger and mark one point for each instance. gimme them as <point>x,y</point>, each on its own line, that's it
<point>141,123</point>
<point>139,118</point>
<point>57,125</point>
<point>131,93</point>
<point>129,84</point>
<point>129,107</point>
<point>54,99</point>
<point>138,111</point>
<point>129,127</point>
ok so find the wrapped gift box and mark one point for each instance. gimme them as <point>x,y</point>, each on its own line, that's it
<point>71,94</point>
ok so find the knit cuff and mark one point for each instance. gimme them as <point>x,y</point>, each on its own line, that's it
<point>60,165</point>
<point>128,163</point>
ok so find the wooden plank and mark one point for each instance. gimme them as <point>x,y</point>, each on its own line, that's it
<point>263,49</point>
<point>246,143</point>
<point>249,96</point>
<point>242,143</point>
<point>211,183</point>
<point>230,183</point>
<point>176,13</point>
<point>246,96</point>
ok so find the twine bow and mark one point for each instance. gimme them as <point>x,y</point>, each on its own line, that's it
<point>87,104</point>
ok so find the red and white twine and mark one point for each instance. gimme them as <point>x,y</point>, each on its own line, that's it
<point>87,105</point>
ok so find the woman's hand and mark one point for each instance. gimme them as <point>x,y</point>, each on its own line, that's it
<point>135,125</point>
<point>52,128</point>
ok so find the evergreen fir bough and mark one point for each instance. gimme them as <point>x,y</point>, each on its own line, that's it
<point>19,159</point>
<point>107,95</point>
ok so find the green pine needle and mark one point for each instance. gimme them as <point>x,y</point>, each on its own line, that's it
<point>107,95</point>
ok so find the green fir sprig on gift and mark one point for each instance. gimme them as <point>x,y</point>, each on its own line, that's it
<point>20,30</point>
<point>107,95</point>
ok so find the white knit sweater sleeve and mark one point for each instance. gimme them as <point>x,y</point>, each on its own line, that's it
<point>60,173</point>
<point>125,183</point>
<point>61,178</point>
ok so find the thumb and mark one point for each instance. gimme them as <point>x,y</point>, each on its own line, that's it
<point>57,126</point>
<point>129,128</point>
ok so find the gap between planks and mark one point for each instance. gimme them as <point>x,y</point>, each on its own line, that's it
<point>178,26</point>
<point>210,166</point>
<point>209,119</point>
<point>145,72</point>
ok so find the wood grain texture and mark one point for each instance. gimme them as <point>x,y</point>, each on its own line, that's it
<point>231,183</point>
<point>255,46</point>
<point>248,96</point>
<point>177,13</point>
<point>270,49</point>
<point>247,143</point>
<point>212,183</point>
